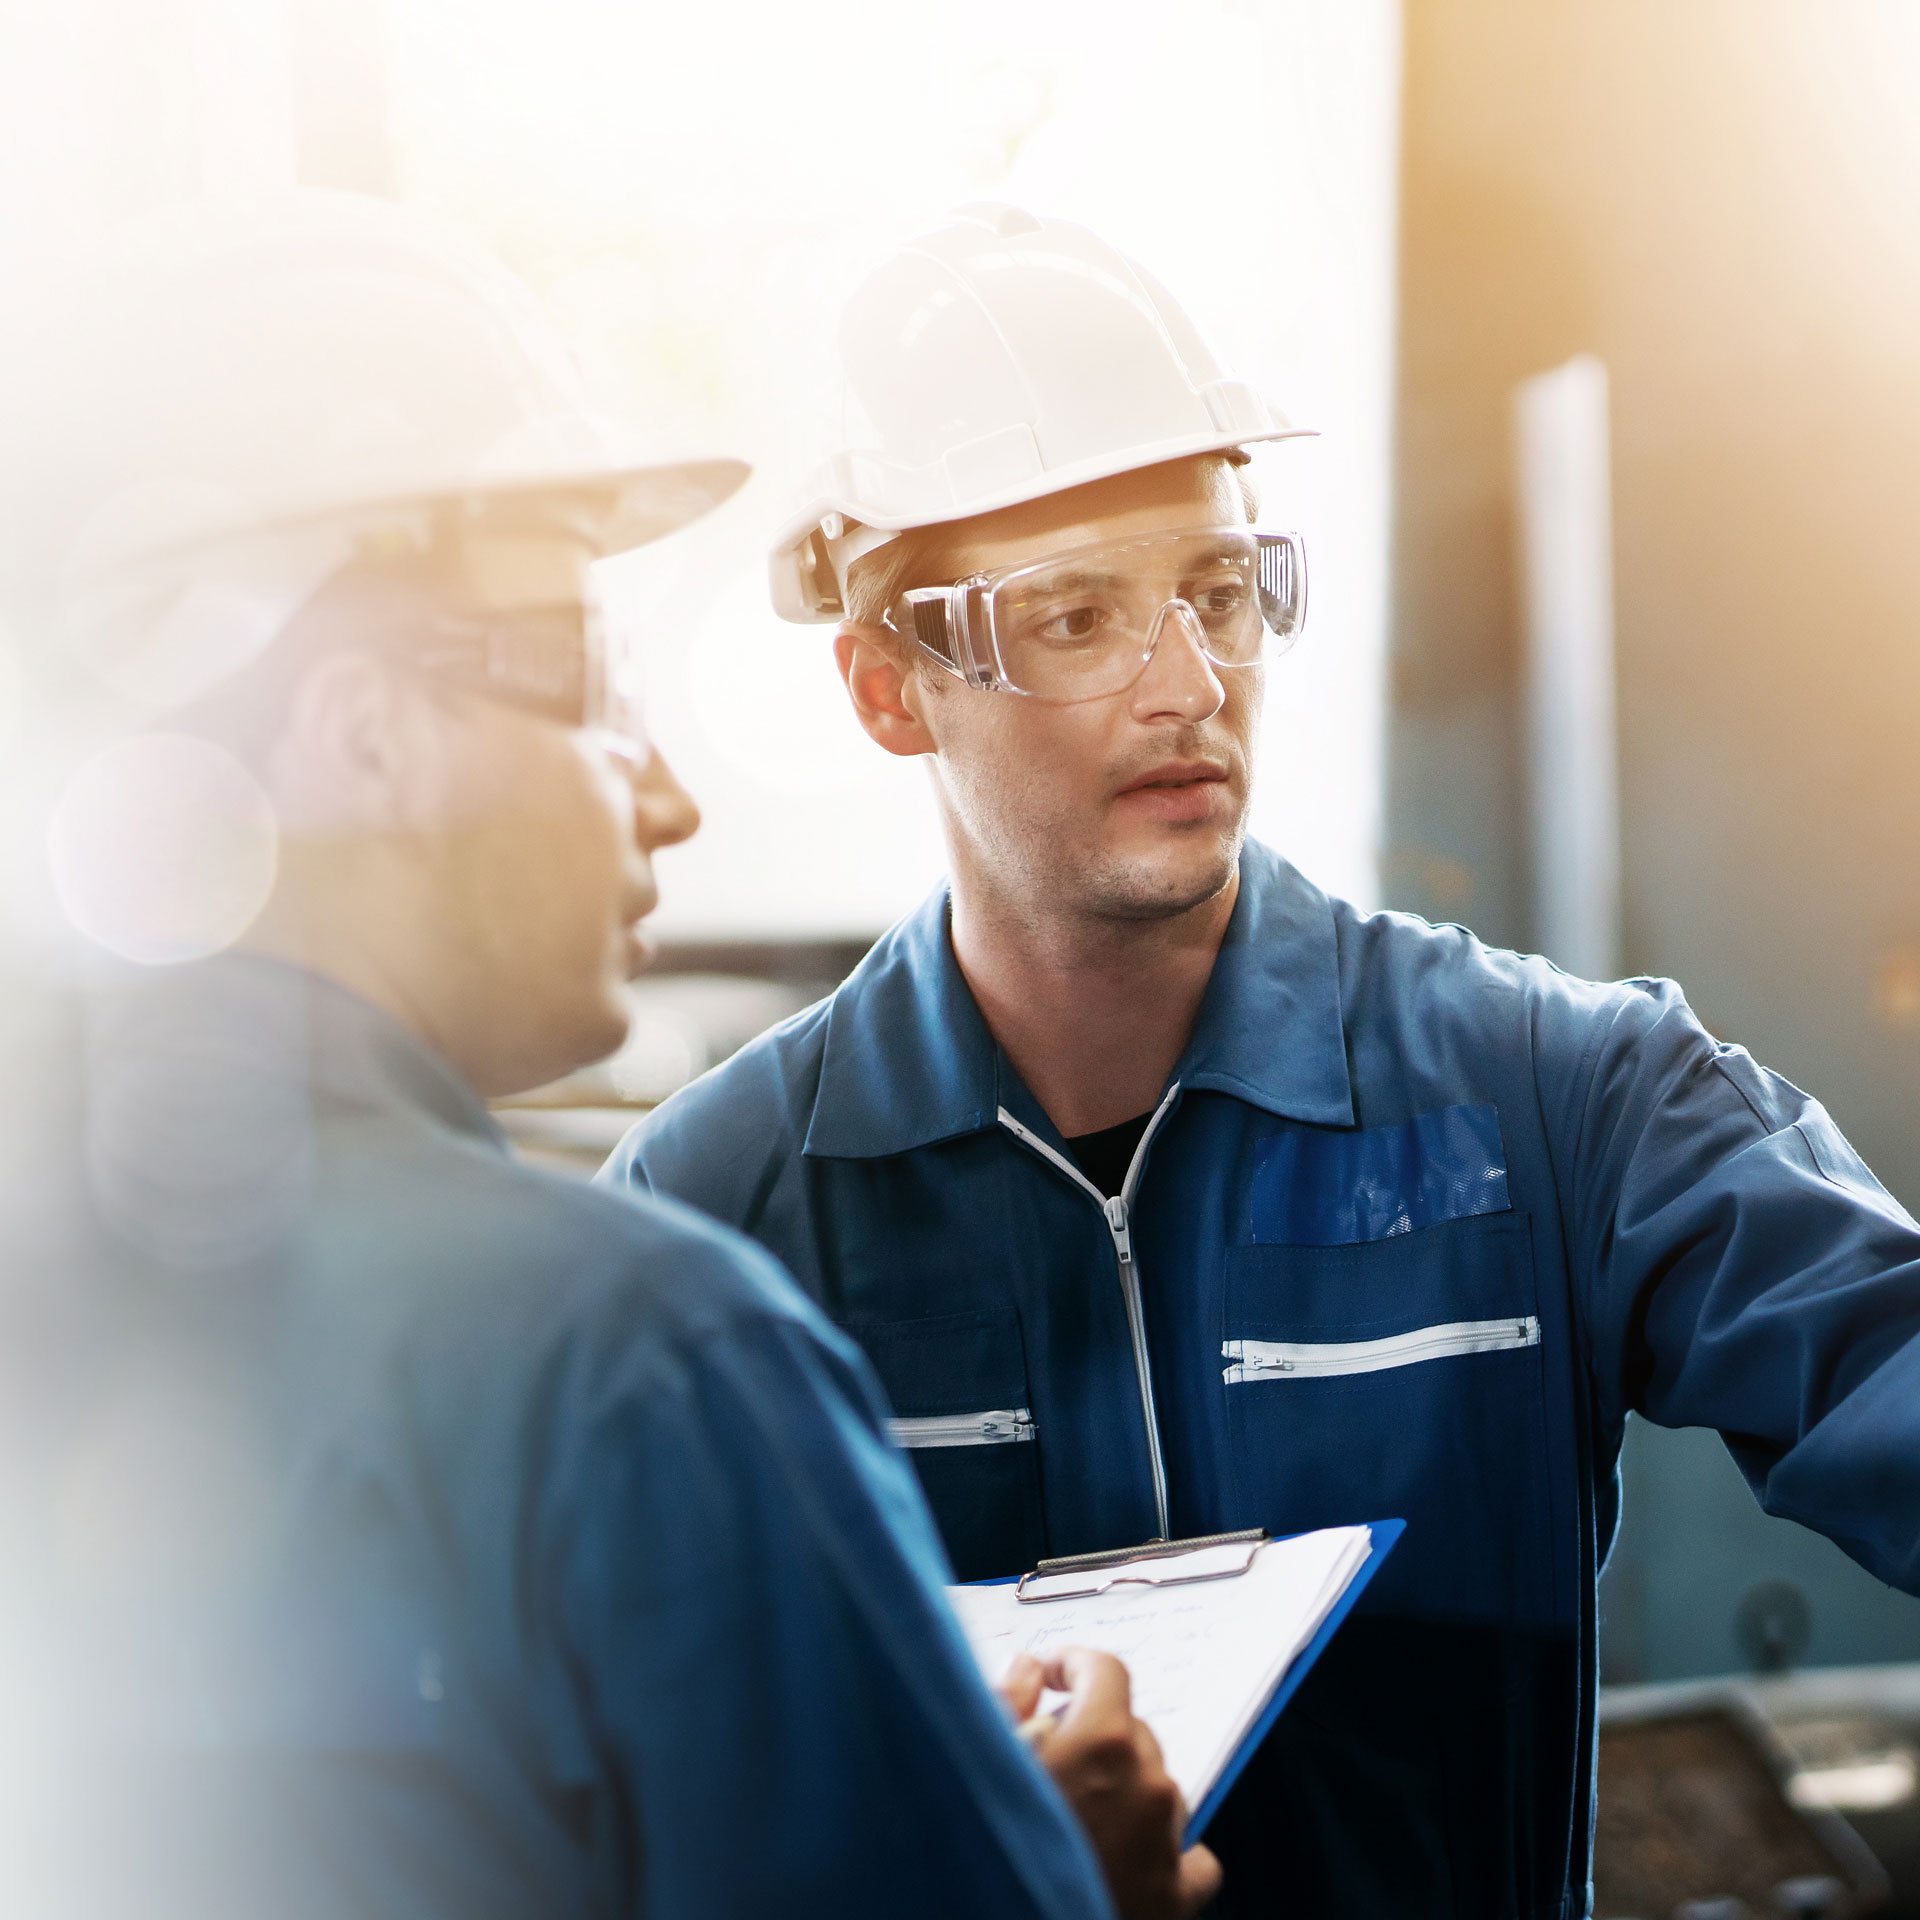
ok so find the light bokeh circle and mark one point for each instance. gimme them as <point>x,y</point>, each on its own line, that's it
<point>163,848</point>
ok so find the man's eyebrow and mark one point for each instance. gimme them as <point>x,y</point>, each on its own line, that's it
<point>1214,556</point>
<point>1080,579</point>
<point>1076,580</point>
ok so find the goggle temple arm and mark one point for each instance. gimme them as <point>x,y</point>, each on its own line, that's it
<point>506,663</point>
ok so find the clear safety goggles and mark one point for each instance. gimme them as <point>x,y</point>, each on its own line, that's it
<point>1083,625</point>
<point>567,663</point>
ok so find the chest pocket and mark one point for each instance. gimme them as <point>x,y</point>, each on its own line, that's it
<point>958,1386</point>
<point>1381,1355</point>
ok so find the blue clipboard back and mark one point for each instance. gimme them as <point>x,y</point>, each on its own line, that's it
<point>1384,1535</point>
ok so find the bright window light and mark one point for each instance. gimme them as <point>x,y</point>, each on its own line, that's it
<point>695,190</point>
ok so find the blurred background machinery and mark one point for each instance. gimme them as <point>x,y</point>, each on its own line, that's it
<point>1706,1816</point>
<point>694,1007</point>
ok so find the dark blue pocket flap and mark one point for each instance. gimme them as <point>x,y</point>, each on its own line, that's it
<point>950,1362</point>
<point>1329,1187</point>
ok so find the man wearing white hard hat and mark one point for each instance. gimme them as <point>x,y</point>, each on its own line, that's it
<point>395,1529</point>
<point>1170,1196</point>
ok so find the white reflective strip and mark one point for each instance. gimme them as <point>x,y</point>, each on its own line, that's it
<point>963,1429</point>
<point>1284,1360</point>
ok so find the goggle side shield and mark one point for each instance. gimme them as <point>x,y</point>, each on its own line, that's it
<point>566,663</point>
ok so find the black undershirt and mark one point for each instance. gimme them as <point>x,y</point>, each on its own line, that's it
<point>1105,1156</point>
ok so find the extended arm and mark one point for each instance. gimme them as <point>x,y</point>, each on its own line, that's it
<point>1745,1271</point>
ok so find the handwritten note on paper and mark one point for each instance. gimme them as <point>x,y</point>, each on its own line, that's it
<point>1205,1657</point>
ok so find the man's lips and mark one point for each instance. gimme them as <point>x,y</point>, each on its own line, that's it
<point>640,949</point>
<point>1177,773</point>
<point>1176,790</point>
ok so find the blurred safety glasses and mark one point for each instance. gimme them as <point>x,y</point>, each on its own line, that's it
<point>565,662</point>
<point>1083,625</point>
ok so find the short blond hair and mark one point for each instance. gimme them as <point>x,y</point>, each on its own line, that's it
<point>877,579</point>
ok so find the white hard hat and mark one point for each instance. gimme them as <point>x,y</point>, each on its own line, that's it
<point>215,411</point>
<point>998,359</point>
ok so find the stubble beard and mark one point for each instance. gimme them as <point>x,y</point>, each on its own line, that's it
<point>1050,872</point>
<point>1048,864</point>
<point>1143,889</point>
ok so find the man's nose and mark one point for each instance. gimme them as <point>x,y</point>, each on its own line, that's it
<point>1180,682</point>
<point>664,812</point>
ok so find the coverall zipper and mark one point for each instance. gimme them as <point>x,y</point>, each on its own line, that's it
<point>962,1429</point>
<point>1302,1360</point>
<point>1117,1212</point>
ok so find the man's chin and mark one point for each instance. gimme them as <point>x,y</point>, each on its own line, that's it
<point>638,951</point>
<point>563,1047</point>
<point>1164,884</point>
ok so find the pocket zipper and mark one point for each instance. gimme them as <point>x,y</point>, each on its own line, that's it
<point>963,1429</point>
<point>1285,1360</point>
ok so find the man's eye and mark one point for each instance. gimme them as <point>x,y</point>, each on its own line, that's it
<point>1220,597</point>
<point>1070,626</point>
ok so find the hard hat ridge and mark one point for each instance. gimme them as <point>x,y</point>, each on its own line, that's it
<point>998,359</point>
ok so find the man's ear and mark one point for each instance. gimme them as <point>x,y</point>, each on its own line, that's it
<point>887,697</point>
<point>362,751</point>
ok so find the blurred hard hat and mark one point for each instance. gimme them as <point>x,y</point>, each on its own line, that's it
<point>215,413</point>
<point>998,359</point>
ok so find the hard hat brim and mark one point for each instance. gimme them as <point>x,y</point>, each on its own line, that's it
<point>615,509</point>
<point>648,503</point>
<point>784,557</point>
<point>621,509</point>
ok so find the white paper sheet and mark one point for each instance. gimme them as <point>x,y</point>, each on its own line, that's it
<point>1204,1657</point>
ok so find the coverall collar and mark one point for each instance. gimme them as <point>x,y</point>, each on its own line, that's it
<point>909,1060</point>
<point>244,1018</point>
<point>364,1055</point>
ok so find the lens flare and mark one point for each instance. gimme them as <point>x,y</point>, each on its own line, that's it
<point>163,848</point>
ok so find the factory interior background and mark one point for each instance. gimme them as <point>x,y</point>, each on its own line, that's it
<point>1392,219</point>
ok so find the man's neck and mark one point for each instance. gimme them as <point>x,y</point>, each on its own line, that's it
<point>325,936</point>
<point>1094,1014</point>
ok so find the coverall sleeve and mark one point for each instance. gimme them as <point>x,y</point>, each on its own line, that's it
<point>1743,1270</point>
<point>752,1598</point>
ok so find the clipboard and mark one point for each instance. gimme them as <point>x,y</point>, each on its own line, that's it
<point>1386,1535</point>
<point>1145,1586</point>
<point>1085,1576</point>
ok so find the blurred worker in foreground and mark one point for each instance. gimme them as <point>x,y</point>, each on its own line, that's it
<point>1219,1202</point>
<point>423,1534</point>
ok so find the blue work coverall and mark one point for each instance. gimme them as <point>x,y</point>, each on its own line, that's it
<point>1415,1226</point>
<point>581,1577</point>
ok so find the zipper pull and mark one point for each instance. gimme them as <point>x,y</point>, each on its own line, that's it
<point>1116,1212</point>
<point>1014,1425</point>
<point>1247,1362</point>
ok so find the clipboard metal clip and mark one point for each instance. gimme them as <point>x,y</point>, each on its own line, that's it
<point>1085,1576</point>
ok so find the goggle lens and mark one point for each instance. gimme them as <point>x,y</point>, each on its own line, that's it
<point>1083,625</point>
